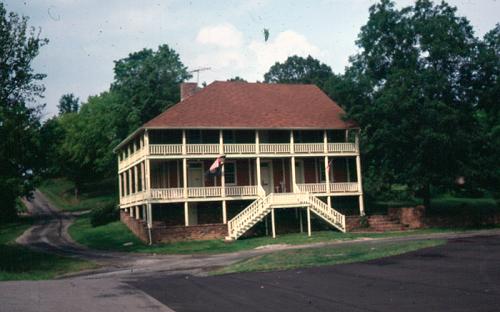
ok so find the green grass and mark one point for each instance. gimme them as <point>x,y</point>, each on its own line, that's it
<point>311,257</point>
<point>20,263</point>
<point>114,235</point>
<point>61,193</point>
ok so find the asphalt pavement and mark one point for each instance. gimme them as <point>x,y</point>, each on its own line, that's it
<point>463,275</point>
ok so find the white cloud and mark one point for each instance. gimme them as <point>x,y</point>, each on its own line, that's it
<point>223,35</point>
<point>285,44</point>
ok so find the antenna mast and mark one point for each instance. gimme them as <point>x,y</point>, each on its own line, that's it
<point>197,71</point>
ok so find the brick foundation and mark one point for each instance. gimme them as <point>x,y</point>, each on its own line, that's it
<point>160,233</point>
<point>412,217</point>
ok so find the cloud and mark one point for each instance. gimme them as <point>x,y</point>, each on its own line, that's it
<point>286,43</point>
<point>223,35</point>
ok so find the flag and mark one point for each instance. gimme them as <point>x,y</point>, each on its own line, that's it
<point>215,168</point>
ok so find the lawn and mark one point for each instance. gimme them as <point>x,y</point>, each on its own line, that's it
<point>61,193</point>
<point>311,257</point>
<point>20,263</point>
<point>116,236</point>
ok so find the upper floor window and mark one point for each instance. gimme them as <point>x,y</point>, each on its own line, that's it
<point>230,173</point>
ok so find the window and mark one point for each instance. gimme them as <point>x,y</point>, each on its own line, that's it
<point>230,173</point>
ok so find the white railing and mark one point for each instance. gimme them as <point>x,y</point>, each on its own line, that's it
<point>132,158</point>
<point>167,193</point>
<point>165,149</point>
<point>247,218</point>
<point>330,215</point>
<point>309,147</point>
<point>274,148</point>
<point>208,191</point>
<point>344,187</point>
<point>341,147</point>
<point>312,187</point>
<point>132,198</point>
<point>202,148</point>
<point>244,190</point>
<point>239,148</point>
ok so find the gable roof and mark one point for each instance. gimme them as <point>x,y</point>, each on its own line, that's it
<point>240,105</point>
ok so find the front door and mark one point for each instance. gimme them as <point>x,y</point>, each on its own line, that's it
<point>195,175</point>
<point>266,176</point>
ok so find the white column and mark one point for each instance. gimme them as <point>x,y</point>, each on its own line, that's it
<point>131,211</point>
<point>149,215</point>
<point>223,181</point>
<point>293,174</point>
<point>224,212</point>
<point>327,175</point>
<point>186,213</point>
<point>144,214</point>
<point>136,179</point>
<point>308,221</point>
<point>221,142</point>
<point>184,177</point>
<point>358,172</point>
<point>257,167</point>
<point>292,148</point>
<point>183,142</point>
<point>325,142</point>
<point>146,141</point>
<point>129,172</point>
<point>143,174</point>
<point>147,181</point>
<point>273,225</point>
<point>137,214</point>
<point>120,185</point>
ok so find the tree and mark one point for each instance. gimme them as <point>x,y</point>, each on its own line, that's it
<point>146,83</point>
<point>237,79</point>
<point>297,69</point>
<point>19,117</point>
<point>68,103</point>
<point>409,87</point>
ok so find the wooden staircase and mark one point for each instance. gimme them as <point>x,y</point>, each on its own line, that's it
<point>257,210</point>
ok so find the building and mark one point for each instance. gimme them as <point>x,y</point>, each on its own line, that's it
<point>275,142</point>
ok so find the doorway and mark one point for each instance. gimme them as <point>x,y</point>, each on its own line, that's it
<point>266,176</point>
<point>195,174</point>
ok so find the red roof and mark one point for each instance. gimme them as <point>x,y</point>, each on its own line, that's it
<point>241,105</point>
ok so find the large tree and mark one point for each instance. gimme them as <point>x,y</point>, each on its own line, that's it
<point>68,103</point>
<point>19,117</point>
<point>146,83</point>
<point>297,69</point>
<point>410,88</point>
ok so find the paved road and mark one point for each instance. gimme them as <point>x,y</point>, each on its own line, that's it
<point>129,282</point>
<point>463,275</point>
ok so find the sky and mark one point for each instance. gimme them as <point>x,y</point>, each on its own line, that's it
<point>87,36</point>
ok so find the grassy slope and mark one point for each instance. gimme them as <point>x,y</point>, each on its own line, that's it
<point>20,263</point>
<point>61,193</point>
<point>114,235</point>
<point>302,258</point>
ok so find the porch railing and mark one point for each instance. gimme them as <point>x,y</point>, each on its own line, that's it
<point>274,148</point>
<point>245,190</point>
<point>165,149</point>
<point>344,187</point>
<point>312,187</point>
<point>342,147</point>
<point>202,148</point>
<point>309,147</point>
<point>239,148</point>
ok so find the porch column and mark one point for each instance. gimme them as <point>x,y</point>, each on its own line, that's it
<point>183,142</point>
<point>131,211</point>
<point>222,169</point>
<point>143,174</point>
<point>224,212</point>
<point>136,179</point>
<point>146,141</point>
<point>184,177</point>
<point>293,174</point>
<point>257,160</point>
<point>325,142</point>
<point>144,215</point>
<point>308,221</point>
<point>273,223</point>
<point>358,172</point>
<point>186,213</point>
<point>137,214</point>
<point>149,215</point>
<point>120,185</point>
<point>327,175</point>
<point>292,149</point>
<point>129,172</point>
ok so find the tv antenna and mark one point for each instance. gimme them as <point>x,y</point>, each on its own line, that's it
<point>197,71</point>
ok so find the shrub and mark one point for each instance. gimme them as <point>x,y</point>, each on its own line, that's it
<point>104,215</point>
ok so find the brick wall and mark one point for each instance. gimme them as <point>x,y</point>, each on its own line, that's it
<point>168,234</point>
<point>412,217</point>
<point>138,227</point>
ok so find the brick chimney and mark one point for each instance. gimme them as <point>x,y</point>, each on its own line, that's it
<point>188,89</point>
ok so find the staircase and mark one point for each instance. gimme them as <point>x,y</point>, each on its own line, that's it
<point>257,210</point>
<point>382,223</point>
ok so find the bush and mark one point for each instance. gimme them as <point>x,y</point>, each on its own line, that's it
<point>104,215</point>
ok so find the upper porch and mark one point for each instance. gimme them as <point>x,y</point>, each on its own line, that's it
<point>166,143</point>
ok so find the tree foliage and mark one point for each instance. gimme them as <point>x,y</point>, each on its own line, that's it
<point>68,103</point>
<point>411,89</point>
<point>297,69</point>
<point>19,117</point>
